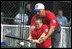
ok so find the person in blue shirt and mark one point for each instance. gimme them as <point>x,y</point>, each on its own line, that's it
<point>62,19</point>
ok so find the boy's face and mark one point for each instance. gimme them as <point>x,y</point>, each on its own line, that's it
<point>38,24</point>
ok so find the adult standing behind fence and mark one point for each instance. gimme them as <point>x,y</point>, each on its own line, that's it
<point>21,17</point>
<point>62,19</point>
<point>2,18</point>
<point>29,12</point>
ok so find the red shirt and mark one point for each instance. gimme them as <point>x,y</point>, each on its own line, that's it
<point>50,19</point>
<point>37,33</point>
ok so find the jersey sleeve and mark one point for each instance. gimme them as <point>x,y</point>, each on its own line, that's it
<point>53,19</point>
<point>45,29</point>
<point>32,21</point>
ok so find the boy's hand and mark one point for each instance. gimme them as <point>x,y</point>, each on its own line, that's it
<point>44,38</point>
<point>30,39</point>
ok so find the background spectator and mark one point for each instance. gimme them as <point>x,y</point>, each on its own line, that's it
<point>62,19</point>
<point>2,18</point>
<point>29,12</point>
<point>21,17</point>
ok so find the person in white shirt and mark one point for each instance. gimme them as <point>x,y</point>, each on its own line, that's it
<point>21,17</point>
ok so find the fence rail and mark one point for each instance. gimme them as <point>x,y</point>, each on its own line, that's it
<point>14,30</point>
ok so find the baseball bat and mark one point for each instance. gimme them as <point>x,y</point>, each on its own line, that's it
<point>15,38</point>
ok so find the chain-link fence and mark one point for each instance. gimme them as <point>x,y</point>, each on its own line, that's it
<point>11,8</point>
<point>65,41</point>
<point>13,30</point>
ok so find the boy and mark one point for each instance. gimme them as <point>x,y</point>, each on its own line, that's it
<point>38,34</point>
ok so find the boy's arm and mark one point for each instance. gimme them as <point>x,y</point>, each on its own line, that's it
<point>30,30</point>
<point>40,40</point>
<point>50,32</point>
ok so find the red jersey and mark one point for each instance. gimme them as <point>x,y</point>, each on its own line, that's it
<point>50,19</point>
<point>37,33</point>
